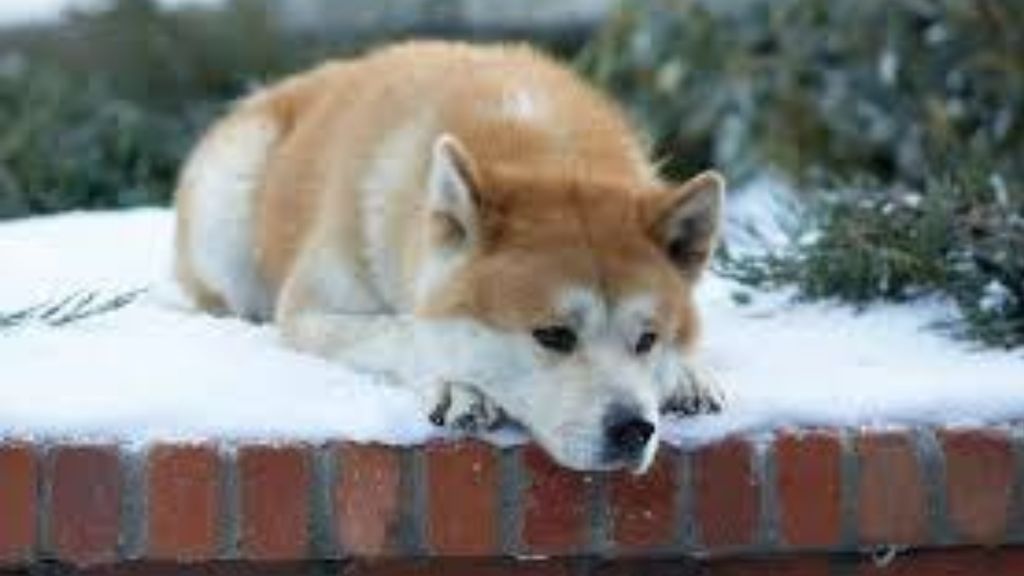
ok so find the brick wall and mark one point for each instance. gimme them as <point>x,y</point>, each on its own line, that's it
<point>807,502</point>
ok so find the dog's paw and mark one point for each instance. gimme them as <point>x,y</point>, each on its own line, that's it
<point>462,407</point>
<point>698,392</point>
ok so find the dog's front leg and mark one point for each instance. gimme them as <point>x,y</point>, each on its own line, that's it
<point>407,351</point>
<point>691,388</point>
<point>464,408</point>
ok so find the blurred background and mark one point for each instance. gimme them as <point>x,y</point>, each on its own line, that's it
<point>889,132</point>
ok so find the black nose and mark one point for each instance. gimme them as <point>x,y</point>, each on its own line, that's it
<point>627,433</point>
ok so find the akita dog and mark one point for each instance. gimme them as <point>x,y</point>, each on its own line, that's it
<point>472,221</point>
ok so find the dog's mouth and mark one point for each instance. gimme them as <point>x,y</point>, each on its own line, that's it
<point>589,456</point>
<point>589,447</point>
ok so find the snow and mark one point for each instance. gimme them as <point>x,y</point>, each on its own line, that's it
<point>156,369</point>
<point>762,216</point>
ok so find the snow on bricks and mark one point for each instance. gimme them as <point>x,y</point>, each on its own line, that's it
<point>798,492</point>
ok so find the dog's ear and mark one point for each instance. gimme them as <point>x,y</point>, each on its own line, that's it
<point>453,193</point>
<point>684,221</point>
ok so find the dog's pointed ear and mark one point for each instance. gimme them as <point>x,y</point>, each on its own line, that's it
<point>685,221</point>
<point>453,192</point>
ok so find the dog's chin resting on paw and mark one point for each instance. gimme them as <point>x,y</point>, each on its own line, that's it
<point>473,221</point>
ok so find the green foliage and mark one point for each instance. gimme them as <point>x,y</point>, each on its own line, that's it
<point>962,237</point>
<point>906,116</point>
<point>822,89</point>
<point>100,112</point>
<point>69,144</point>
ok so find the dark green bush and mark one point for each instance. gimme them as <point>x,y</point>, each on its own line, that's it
<point>69,144</point>
<point>963,238</point>
<point>905,118</point>
<point>99,113</point>
<point>824,90</point>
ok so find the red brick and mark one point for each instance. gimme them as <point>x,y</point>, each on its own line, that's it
<point>86,503</point>
<point>799,565</point>
<point>18,477</point>
<point>462,498</point>
<point>183,506</point>
<point>554,507</point>
<point>809,488</point>
<point>1009,561</point>
<point>945,562</point>
<point>275,486</point>
<point>979,482</point>
<point>367,499</point>
<point>643,508</point>
<point>726,494</point>
<point>892,497</point>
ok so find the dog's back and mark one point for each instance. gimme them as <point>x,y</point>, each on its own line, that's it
<point>325,171</point>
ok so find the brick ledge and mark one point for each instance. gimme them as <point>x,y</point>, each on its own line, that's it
<point>812,491</point>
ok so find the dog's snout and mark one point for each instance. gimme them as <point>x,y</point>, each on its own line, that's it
<point>631,436</point>
<point>627,433</point>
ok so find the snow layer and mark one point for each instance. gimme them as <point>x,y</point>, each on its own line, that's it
<point>158,370</point>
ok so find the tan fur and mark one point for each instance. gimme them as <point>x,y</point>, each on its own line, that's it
<point>556,169</point>
<point>591,233</point>
<point>334,113</point>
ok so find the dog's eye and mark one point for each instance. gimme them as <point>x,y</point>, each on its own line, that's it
<point>646,341</point>
<point>558,338</point>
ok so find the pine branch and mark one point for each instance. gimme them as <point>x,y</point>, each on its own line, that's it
<point>72,308</point>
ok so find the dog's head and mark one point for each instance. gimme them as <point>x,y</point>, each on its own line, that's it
<point>579,289</point>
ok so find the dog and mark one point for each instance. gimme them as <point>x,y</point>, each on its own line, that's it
<point>472,221</point>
